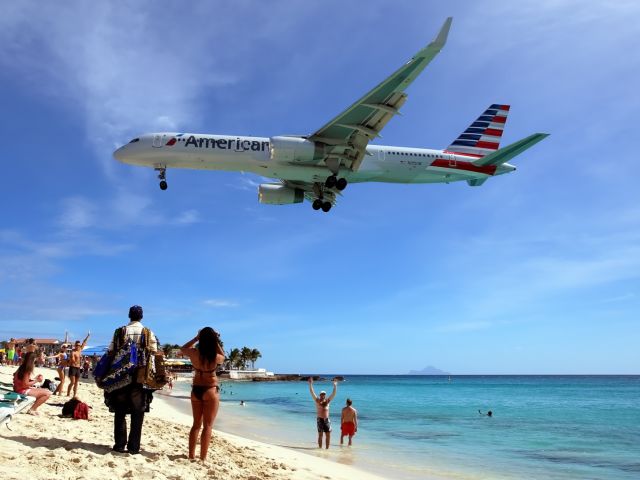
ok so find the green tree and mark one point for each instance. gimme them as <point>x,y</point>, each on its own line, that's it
<point>255,355</point>
<point>245,354</point>
<point>234,358</point>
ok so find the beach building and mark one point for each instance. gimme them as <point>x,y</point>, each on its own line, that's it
<point>48,345</point>
<point>247,374</point>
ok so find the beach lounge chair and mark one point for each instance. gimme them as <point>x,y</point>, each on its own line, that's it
<point>12,403</point>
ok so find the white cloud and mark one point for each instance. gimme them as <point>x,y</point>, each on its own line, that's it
<point>220,303</point>
<point>77,213</point>
<point>121,66</point>
<point>188,217</point>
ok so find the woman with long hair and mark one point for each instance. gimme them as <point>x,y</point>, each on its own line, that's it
<point>24,384</point>
<point>62,358</point>
<point>205,392</point>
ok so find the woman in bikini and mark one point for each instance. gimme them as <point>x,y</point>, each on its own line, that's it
<point>24,384</point>
<point>62,358</point>
<point>205,392</point>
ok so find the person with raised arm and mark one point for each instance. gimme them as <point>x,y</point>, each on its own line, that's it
<point>322,409</point>
<point>205,391</point>
<point>74,365</point>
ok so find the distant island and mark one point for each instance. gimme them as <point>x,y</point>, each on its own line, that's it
<point>428,371</point>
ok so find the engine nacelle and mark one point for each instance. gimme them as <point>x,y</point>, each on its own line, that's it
<point>293,149</point>
<point>278,194</point>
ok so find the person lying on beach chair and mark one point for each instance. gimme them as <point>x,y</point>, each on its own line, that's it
<point>25,385</point>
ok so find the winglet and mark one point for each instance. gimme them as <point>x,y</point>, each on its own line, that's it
<point>441,39</point>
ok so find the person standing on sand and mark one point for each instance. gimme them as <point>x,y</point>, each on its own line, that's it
<point>74,365</point>
<point>205,392</point>
<point>25,385</point>
<point>11,351</point>
<point>61,358</point>
<point>132,399</point>
<point>322,408</point>
<point>348,422</point>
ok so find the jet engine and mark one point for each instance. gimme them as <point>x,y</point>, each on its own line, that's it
<point>293,149</point>
<point>278,194</point>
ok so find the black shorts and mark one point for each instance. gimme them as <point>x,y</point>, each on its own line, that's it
<point>324,425</point>
<point>74,372</point>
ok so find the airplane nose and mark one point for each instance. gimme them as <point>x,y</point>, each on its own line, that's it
<point>119,154</point>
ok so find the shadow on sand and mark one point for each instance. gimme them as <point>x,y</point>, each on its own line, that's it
<point>55,443</point>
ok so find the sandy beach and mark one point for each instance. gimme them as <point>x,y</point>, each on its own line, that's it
<point>48,446</point>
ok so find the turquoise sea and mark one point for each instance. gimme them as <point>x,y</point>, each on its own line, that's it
<point>560,427</point>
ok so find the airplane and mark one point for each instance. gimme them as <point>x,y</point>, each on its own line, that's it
<point>318,167</point>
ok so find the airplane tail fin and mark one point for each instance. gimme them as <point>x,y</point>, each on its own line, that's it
<point>483,136</point>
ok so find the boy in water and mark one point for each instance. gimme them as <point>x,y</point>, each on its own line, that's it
<point>322,408</point>
<point>348,422</point>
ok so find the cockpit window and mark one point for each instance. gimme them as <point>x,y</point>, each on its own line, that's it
<point>135,140</point>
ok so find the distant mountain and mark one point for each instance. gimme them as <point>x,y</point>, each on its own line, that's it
<point>428,371</point>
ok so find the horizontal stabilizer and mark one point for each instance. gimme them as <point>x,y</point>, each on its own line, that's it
<point>507,153</point>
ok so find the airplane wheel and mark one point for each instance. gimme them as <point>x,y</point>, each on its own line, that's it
<point>163,185</point>
<point>317,204</point>
<point>331,181</point>
<point>326,206</point>
<point>341,184</point>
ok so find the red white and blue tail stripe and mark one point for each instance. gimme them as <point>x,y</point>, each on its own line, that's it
<point>483,136</point>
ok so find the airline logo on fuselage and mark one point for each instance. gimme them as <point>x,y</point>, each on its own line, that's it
<point>236,144</point>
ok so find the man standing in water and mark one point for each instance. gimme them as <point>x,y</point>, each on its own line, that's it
<point>74,365</point>
<point>348,422</point>
<point>322,407</point>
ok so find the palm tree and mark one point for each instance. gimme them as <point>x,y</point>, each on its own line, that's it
<point>245,354</point>
<point>166,348</point>
<point>255,355</point>
<point>233,358</point>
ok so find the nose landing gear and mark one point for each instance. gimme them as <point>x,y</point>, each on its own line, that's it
<point>162,171</point>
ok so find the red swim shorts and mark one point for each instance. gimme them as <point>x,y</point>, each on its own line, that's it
<point>348,428</point>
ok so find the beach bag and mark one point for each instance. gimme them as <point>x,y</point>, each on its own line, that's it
<point>152,372</point>
<point>69,407</point>
<point>50,385</point>
<point>102,367</point>
<point>81,412</point>
<point>123,365</point>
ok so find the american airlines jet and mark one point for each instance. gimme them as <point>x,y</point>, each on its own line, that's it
<point>319,166</point>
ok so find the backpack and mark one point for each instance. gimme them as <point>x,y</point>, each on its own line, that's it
<point>69,407</point>
<point>81,412</point>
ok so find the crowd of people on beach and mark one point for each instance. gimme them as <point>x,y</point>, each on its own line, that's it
<point>132,396</point>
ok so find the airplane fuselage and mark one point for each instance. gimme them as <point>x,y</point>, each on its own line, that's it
<point>255,154</point>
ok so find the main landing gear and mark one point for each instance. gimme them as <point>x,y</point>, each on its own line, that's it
<point>162,172</point>
<point>335,182</point>
<point>318,204</point>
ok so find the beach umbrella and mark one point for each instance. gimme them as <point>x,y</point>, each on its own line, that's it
<point>98,350</point>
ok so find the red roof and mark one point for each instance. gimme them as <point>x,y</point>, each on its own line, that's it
<point>39,341</point>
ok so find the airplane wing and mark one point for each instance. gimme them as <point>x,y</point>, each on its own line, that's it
<point>346,136</point>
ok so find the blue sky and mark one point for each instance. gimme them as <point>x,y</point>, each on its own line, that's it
<point>534,272</point>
